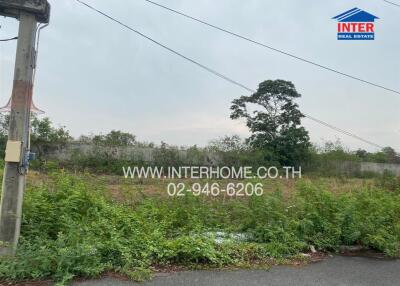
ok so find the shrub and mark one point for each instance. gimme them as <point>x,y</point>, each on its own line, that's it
<point>70,229</point>
<point>388,181</point>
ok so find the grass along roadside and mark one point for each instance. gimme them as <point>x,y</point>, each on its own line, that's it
<point>85,225</point>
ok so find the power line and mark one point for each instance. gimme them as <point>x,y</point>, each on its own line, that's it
<point>168,48</point>
<point>395,4</point>
<point>220,75</point>
<point>342,131</point>
<point>10,39</point>
<point>272,48</point>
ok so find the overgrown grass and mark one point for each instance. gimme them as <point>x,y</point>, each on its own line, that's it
<point>70,228</point>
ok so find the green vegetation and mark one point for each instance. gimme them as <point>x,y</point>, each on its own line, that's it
<point>44,136</point>
<point>72,226</point>
<point>81,226</point>
<point>274,120</point>
<point>114,138</point>
<point>290,145</point>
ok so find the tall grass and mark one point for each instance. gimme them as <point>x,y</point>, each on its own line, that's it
<point>70,229</point>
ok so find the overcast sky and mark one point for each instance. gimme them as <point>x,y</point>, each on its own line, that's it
<point>94,76</point>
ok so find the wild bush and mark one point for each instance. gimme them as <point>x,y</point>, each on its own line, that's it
<point>70,228</point>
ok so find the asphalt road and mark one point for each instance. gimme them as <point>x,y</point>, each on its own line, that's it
<point>334,271</point>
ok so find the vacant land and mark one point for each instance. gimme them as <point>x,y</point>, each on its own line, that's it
<point>82,225</point>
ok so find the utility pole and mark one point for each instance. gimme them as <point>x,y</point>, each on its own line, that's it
<point>29,13</point>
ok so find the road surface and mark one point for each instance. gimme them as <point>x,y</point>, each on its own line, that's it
<point>334,271</point>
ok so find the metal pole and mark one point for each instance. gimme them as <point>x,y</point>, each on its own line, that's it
<point>15,170</point>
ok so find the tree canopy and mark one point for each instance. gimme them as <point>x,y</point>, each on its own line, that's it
<point>274,119</point>
<point>115,138</point>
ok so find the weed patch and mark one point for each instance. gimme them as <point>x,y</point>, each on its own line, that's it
<point>70,229</point>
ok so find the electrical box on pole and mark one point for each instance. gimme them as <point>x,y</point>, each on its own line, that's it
<point>29,13</point>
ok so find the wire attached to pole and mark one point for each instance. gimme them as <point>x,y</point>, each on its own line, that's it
<point>9,39</point>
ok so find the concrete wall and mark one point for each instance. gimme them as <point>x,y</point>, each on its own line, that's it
<point>352,168</point>
<point>379,168</point>
<point>140,154</point>
<point>135,154</point>
<point>122,153</point>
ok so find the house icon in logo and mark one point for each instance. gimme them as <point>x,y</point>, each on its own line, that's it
<point>355,24</point>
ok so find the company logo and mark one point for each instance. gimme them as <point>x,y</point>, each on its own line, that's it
<point>355,24</point>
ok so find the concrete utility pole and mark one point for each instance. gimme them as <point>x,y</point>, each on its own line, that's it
<point>29,13</point>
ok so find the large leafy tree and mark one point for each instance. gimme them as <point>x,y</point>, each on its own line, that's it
<point>115,138</point>
<point>45,137</point>
<point>274,120</point>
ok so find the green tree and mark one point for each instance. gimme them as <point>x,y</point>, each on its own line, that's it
<point>227,144</point>
<point>274,120</point>
<point>361,153</point>
<point>44,136</point>
<point>391,155</point>
<point>3,134</point>
<point>115,138</point>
